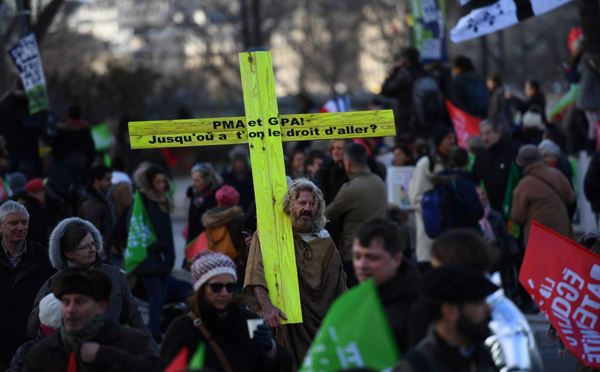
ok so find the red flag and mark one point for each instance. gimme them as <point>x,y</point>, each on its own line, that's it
<point>563,278</point>
<point>179,363</point>
<point>464,124</point>
<point>195,246</point>
<point>72,364</point>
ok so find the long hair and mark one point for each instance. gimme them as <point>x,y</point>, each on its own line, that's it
<point>210,176</point>
<point>303,184</point>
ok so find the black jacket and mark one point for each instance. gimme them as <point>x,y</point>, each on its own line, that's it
<point>197,209</point>
<point>492,166</point>
<point>17,292</point>
<point>591,182</point>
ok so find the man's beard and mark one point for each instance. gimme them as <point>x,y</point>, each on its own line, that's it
<point>476,332</point>
<point>301,225</point>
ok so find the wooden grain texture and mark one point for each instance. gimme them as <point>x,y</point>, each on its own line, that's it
<point>230,131</point>
<point>266,152</point>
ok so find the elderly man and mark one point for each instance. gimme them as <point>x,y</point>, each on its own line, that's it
<point>377,254</point>
<point>320,272</point>
<point>361,199</point>
<point>24,267</point>
<point>88,339</point>
<point>455,299</point>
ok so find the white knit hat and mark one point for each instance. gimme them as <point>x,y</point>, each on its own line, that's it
<point>208,264</point>
<point>50,311</point>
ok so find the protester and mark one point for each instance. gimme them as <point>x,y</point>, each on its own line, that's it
<point>533,97</point>
<point>50,322</point>
<point>403,156</point>
<point>352,206</point>
<point>553,158</point>
<point>239,175</point>
<point>543,195</point>
<point>96,207</point>
<point>498,108</point>
<point>75,243</point>
<point>443,141</point>
<point>32,198</point>
<point>469,92</point>
<point>512,335</point>
<point>24,267</point>
<point>218,319</point>
<point>74,135</point>
<point>121,192</point>
<point>89,339</point>
<point>332,175</point>
<point>320,272</point>
<point>297,163</point>
<point>377,253</point>
<point>493,165</point>
<point>153,271</point>
<point>313,162</point>
<point>455,300</point>
<point>205,183</point>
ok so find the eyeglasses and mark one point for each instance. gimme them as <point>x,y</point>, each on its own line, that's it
<point>87,247</point>
<point>218,287</point>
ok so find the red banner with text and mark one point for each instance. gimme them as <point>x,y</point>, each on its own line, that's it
<point>563,278</point>
<point>464,124</point>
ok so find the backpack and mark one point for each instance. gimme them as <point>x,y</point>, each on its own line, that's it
<point>441,209</point>
<point>427,100</point>
<point>219,240</point>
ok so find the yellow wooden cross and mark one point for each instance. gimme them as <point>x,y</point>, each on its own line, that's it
<point>264,129</point>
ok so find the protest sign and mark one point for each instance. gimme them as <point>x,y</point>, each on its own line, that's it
<point>428,25</point>
<point>563,278</point>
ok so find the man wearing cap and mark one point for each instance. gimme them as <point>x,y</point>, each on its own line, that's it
<point>88,339</point>
<point>455,300</point>
<point>543,195</point>
<point>361,199</point>
<point>24,267</point>
<point>320,272</point>
<point>443,140</point>
<point>377,254</point>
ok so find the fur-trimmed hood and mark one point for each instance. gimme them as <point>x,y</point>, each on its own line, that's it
<point>140,179</point>
<point>220,216</point>
<point>58,260</point>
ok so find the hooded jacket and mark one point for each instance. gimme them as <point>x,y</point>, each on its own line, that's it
<point>122,307</point>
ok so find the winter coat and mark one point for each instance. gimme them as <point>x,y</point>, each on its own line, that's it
<point>121,349</point>
<point>361,199</point>
<point>470,94</point>
<point>244,185</point>
<point>230,331</point>
<point>330,177</point>
<point>471,209</point>
<point>591,182</point>
<point>440,356</point>
<point>419,184</point>
<point>399,297</point>
<point>537,99</point>
<point>492,166</point>
<point>74,136</point>
<point>199,204</point>
<point>96,208</point>
<point>536,200</point>
<point>122,307</point>
<point>17,293</point>
<point>39,228</point>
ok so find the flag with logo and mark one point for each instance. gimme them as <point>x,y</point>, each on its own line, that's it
<point>563,279</point>
<point>428,25</point>
<point>141,234</point>
<point>354,334</point>
<point>482,17</point>
<point>465,125</point>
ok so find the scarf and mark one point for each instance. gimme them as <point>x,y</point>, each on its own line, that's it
<point>486,226</point>
<point>162,200</point>
<point>73,340</point>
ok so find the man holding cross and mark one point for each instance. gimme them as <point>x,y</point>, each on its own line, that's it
<point>320,273</point>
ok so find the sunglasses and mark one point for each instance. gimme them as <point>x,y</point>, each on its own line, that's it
<point>218,287</point>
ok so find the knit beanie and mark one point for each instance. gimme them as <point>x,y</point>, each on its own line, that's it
<point>227,196</point>
<point>17,181</point>
<point>35,185</point>
<point>208,264</point>
<point>439,133</point>
<point>50,314</point>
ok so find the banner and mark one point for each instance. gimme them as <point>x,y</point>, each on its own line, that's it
<point>428,25</point>
<point>141,234</point>
<point>563,278</point>
<point>26,56</point>
<point>464,124</point>
<point>482,17</point>
<point>355,333</point>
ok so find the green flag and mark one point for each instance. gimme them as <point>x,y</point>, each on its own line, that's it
<point>355,333</point>
<point>101,136</point>
<point>197,361</point>
<point>141,234</point>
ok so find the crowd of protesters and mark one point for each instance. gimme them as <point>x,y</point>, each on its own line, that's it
<point>64,237</point>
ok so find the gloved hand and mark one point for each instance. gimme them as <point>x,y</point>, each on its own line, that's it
<point>262,335</point>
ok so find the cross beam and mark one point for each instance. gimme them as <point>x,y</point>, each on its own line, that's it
<point>264,130</point>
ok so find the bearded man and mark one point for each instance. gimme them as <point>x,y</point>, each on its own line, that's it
<point>321,275</point>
